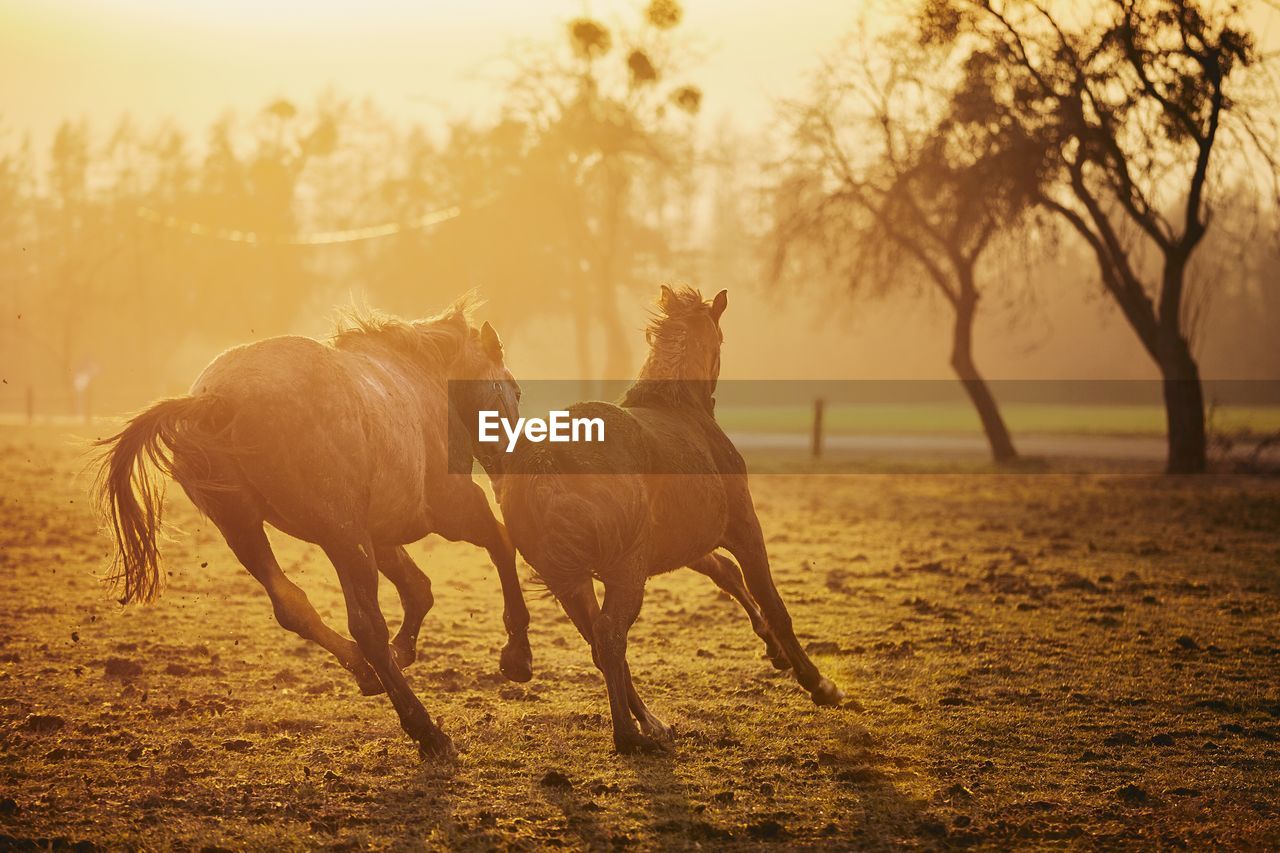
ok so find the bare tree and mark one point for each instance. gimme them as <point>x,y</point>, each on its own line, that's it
<point>1128,103</point>
<point>884,189</point>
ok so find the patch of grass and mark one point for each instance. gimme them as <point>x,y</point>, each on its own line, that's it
<point>1058,660</point>
<point>1021,418</point>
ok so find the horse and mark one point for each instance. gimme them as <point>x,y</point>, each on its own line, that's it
<point>665,489</point>
<point>355,444</point>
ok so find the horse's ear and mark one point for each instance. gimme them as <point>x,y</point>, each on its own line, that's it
<point>666,298</point>
<point>718,305</point>
<point>491,342</point>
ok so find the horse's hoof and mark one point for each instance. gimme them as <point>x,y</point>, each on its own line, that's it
<point>516,662</point>
<point>437,746</point>
<point>404,655</point>
<point>658,730</point>
<point>634,742</point>
<point>827,694</point>
<point>368,682</point>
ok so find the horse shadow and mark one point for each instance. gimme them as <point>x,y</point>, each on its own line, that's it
<point>868,809</point>
<point>424,805</point>
<point>651,776</point>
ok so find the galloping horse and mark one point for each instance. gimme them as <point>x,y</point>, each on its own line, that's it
<point>665,489</point>
<point>346,445</point>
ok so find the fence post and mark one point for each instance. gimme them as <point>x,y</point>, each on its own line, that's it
<point>818,406</point>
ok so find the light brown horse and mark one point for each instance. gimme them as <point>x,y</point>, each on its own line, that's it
<point>347,445</point>
<point>665,489</point>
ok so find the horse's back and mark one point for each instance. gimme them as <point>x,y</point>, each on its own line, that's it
<point>319,436</point>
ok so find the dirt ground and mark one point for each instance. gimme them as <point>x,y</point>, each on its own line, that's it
<point>1031,660</point>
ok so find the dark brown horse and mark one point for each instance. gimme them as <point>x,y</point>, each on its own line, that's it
<point>347,445</point>
<point>665,489</point>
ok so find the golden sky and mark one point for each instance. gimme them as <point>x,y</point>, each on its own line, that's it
<point>421,61</point>
<point>433,61</point>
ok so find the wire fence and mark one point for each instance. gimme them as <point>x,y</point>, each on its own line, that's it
<point>319,238</point>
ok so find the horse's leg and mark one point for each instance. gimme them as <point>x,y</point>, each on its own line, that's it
<point>649,723</point>
<point>468,518</point>
<point>582,609</point>
<point>623,595</point>
<point>358,573</point>
<point>746,542</point>
<point>728,577</point>
<point>292,607</point>
<point>414,588</point>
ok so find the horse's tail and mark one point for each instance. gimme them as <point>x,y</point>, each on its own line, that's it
<point>132,498</point>
<point>589,524</point>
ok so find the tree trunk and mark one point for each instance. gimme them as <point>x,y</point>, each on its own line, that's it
<point>582,342</point>
<point>1183,406</point>
<point>617,352</point>
<point>1159,331</point>
<point>975,386</point>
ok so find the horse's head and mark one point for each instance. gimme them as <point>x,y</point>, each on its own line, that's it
<point>484,382</point>
<point>685,334</point>
<point>684,343</point>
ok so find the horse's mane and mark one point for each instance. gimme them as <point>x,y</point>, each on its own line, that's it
<point>436,340</point>
<point>662,380</point>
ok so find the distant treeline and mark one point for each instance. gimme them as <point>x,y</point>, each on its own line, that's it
<point>132,252</point>
<point>980,149</point>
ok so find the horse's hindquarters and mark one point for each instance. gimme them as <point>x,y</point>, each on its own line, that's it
<point>319,446</point>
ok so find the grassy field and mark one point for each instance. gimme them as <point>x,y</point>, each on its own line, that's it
<point>1021,418</point>
<point>1049,660</point>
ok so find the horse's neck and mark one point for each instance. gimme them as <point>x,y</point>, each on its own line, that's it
<point>664,383</point>
<point>661,368</point>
